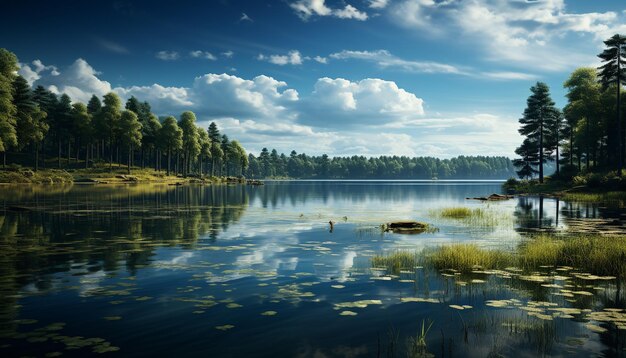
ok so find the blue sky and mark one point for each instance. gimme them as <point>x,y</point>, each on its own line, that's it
<point>342,77</point>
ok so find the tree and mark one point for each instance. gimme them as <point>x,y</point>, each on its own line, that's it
<point>216,151</point>
<point>82,124</point>
<point>205,147</point>
<point>613,73</point>
<point>130,130</point>
<point>150,136</point>
<point>61,124</point>
<point>171,138</point>
<point>537,116</point>
<point>30,126</point>
<point>584,103</point>
<point>109,118</point>
<point>191,144</point>
<point>239,156</point>
<point>8,134</point>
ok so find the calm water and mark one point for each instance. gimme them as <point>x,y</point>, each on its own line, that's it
<point>235,271</point>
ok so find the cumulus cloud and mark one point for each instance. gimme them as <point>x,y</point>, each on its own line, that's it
<point>306,9</point>
<point>202,54</point>
<point>339,102</point>
<point>320,59</point>
<point>523,33</point>
<point>167,55</point>
<point>79,80</point>
<point>378,4</point>
<point>292,58</point>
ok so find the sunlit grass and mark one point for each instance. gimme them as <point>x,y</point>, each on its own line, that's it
<point>396,261</point>
<point>607,197</point>
<point>478,217</point>
<point>466,257</point>
<point>592,253</point>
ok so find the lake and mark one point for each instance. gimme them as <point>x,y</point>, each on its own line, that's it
<point>245,271</point>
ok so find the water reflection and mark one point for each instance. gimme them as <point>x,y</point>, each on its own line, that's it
<point>253,271</point>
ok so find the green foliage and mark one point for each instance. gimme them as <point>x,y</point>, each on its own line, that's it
<point>468,257</point>
<point>8,111</point>
<point>396,261</point>
<point>130,129</point>
<point>384,167</point>
<point>540,125</point>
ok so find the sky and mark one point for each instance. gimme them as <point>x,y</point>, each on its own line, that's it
<point>343,77</point>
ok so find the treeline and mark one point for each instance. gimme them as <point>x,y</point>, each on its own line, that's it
<point>588,134</point>
<point>44,125</point>
<point>271,164</point>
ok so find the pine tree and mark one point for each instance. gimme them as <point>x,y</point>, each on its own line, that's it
<point>612,72</point>
<point>538,115</point>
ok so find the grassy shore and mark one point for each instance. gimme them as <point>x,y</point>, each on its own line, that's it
<point>596,184</point>
<point>99,175</point>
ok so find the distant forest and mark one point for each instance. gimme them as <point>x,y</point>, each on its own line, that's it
<point>271,164</point>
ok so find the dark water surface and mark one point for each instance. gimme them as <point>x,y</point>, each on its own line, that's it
<point>236,271</point>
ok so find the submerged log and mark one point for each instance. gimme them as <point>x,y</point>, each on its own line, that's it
<point>406,227</point>
<point>493,197</point>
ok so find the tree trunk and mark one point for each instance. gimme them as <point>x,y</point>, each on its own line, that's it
<point>620,159</point>
<point>168,161</point>
<point>4,159</point>
<point>69,151</point>
<point>541,149</point>
<point>36,156</point>
<point>59,155</point>
<point>130,155</point>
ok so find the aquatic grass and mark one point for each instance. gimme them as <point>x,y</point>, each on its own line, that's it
<point>617,197</point>
<point>477,217</point>
<point>467,257</point>
<point>396,261</point>
<point>458,212</point>
<point>417,345</point>
<point>590,253</point>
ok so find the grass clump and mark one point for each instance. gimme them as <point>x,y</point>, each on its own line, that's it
<point>457,213</point>
<point>466,257</point>
<point>594,254</point>
<point>617,197</point>
<point>396,261</point>
<point>477,217</point>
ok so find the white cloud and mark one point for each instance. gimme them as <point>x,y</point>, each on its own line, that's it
<point>339,102</point>
<point>385,59</point>
<point>245,17</point>
<point>167,55</point>
<point>79,80</point>
<point>292,58</point>
<point>309,8</point>
<point>320,59</point>
<point>378,4</point>
<point>113,47</point>
<point>521,33</point>
<point>202,54</point>
<point>228,54</point>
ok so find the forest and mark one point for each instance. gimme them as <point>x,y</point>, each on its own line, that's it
<point>42,129</point>
<point>587,135</point>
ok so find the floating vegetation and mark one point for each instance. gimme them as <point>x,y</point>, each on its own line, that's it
<point>347,313</point>
<point>357,304</point>
<point>112,318</point>
<point>225,327</point>
<point>269,313</point>
<point>419,299</point>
